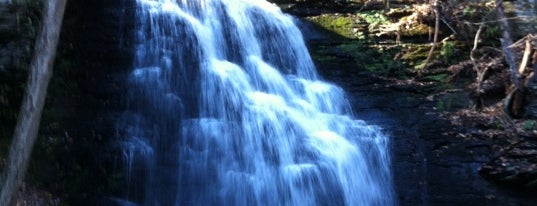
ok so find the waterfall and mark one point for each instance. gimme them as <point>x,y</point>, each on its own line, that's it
<point>226,108</point>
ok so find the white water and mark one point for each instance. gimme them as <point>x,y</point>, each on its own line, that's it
<point>227,109</point>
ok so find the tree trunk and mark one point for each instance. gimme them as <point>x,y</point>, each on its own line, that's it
<point>515,100</point>
<point>506,43</point>
<point>27,126</point>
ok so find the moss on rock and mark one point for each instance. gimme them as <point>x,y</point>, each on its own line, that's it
<point>348,26</point>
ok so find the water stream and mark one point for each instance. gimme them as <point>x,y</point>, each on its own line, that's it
<point>226,108</point>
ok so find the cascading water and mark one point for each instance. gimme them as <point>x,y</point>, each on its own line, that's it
<point>226,108</point>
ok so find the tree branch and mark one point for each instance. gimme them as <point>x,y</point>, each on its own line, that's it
<point>435,38</point>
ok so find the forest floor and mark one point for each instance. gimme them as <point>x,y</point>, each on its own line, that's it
<point>438,142</point>
<point>449,146</point>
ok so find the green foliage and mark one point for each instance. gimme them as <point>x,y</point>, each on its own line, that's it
<point>323,58</point>
<point>382,64</point>
<point>415,55</point>
<point>353,48</point>
<point>498,125</point>
<point>447,50</point>
<point>468,12</point>
<point>341,25</point>
<point>529,125</point>
<point>342,22</point>
<point>374,19</point>
<point>443,104</point>
<point>358,55</point>
<point>492,32</point>
<point>440,106</point>
<point>437,77</point>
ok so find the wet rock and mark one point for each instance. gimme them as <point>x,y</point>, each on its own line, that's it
<point>517,165</point>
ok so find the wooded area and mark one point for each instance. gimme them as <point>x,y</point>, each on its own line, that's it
<point>423,47</point>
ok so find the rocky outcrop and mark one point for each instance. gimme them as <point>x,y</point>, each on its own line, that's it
<point>517,166</point>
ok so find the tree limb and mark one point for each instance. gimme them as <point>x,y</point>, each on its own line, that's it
<point>436,30</point>
<point>476,41</point>
<point>526,56</point>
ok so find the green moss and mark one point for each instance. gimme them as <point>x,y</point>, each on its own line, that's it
<point>492,32</point>
<point>342,22</point>
<point>529,125</point>
<point>415,30</point>
<point>375,19</point>
<point>437,77</point>
<point>360,55</point>
<point>447,50</point>
<point>323,58</point>
<point>339,24</point>
<point>350,47</point>
<point>415,54</point>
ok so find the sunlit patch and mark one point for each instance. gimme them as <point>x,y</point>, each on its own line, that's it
<point>332,145</point>
<point>264,99</point>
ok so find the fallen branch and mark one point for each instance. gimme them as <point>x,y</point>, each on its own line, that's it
<point>526,56</point>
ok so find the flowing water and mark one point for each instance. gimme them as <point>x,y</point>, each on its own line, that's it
<point>226,108</point>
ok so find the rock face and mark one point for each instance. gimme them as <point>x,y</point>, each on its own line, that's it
<point>517,166</point>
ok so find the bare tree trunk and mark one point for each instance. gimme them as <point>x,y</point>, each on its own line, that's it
<point>32,106</point>
<point>506,43</point>
<point>515,98</point>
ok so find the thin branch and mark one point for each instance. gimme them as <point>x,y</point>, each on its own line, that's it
<point>480,73</point>
<point>476,41</point>
<point>435,38</point>
<point>449,26</point>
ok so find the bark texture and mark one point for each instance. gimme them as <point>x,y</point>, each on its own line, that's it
<point>27,126</point>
